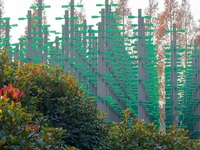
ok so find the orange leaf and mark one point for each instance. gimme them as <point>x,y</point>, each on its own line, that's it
<point>10,86</point>
<point>35,127</point>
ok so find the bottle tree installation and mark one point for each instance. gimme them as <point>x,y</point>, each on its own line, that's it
<point>118,70</point>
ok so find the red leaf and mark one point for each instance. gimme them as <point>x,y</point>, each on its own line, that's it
<point>1,91</point>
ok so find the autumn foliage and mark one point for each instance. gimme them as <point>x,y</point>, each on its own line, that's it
<point>9,91</point>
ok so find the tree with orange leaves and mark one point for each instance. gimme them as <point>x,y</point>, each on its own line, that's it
<point>80,14</point>
<point>158,20</point>
<point>165,22</point>
<point>35,15</point>
<point>35,12</point>
<point>152,10</point>
<point>124,11</point>
<point>186,22</point>
<point>197,30</point>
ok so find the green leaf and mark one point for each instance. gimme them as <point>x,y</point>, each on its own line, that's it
<point>6,18</point>
<point>59,18</point>
<point>114,5</point>
<point>96,17</point>
<point>65,6</point>
<point>132,17</point>
<point>40,143</point>
<point>30,134</point>
<point>99,5</point>
<point>80,6</point>
<point>47,6</point>
<point>33,7</point>
<point>147,17</point>
<point>22,18</point>
<point>11,113</point>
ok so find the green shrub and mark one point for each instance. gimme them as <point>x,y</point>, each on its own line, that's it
<point>134,134</point>
<point>56,95</point>
<point>49,92</point>
<point>63,102</point>
<point>6,68</point>
<point>21,130</point>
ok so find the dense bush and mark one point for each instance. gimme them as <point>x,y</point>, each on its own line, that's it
<point>21,130</point>
<point>51,93</point>
<point>134,134</point>
<point>56,95</point>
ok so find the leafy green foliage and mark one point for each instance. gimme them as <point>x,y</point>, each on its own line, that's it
<point>22,130</point>
<point>5,66</point>
<point>49,91</point>
<point>135,134</point>
<point>57,96</point>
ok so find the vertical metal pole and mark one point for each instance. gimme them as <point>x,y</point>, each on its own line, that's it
<point>21,56</point>
<point>142,114</point>
<point>40,2</point>
<point>33,51</point>
<point>72,36</point>
<point>8,39</point>
<point>90,62</point>
<point>63,47</point>
<point>16,56</point>
<point>107,40</point>
<point>76,52</point>
<point>96,67</point>
<point>174,79</point>
<point>30,53</point>
<point>52,56</point>
<point>101,90</point>
<point>66,41</point>
<point>106,47</point>
<point>111,114</point>
<point>45,43</point>
<point>141,109</point>
<point>57,59</point>
<point>84,51</point>
<point>79,55</point>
